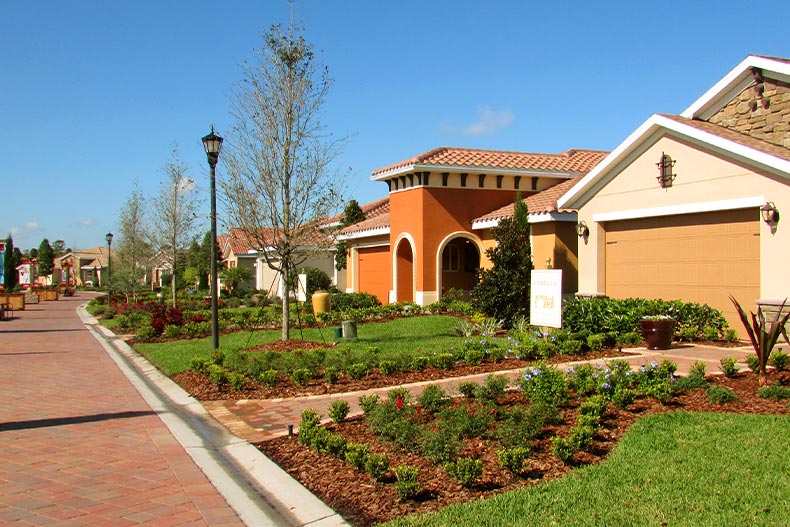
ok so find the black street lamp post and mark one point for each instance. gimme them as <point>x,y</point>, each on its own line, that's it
<point>108,237</point>
<point>213,144</point>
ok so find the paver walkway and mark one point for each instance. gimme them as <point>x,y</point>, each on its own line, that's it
<point>259,420</point>
<point>78,444</point>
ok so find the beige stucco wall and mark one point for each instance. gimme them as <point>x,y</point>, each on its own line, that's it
<point>269,281</point>
<point>703,180</point>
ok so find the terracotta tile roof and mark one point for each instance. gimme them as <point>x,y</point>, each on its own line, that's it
<point>240,242</point>
<point>377,216</point>
<point>736,137</point>
<point>543,202</point>
<point>568,161</point>
<point>366,209</point>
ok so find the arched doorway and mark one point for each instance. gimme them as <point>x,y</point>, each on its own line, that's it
<point>404,271</point>
<point>458,264</point>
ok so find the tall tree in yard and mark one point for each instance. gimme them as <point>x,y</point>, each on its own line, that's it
<point>175,216</point>
<point>279,182</point>
<point>46,258</point>
<point>133,249</point>
<point>503,291</point>
<point>12,259</point>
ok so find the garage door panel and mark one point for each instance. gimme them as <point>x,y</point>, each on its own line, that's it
<point>695,257</point>
<point>374,272</point>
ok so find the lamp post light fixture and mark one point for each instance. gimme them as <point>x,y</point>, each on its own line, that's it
<point>108,238</point>
<point>212,143</point>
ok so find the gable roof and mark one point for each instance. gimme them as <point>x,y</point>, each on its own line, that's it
<point>367,209</point>
<point>567,163</point>
<point>691,126</point>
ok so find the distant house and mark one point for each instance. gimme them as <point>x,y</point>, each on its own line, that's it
<point>240,250</point>
<point>431,233</point>
<point>82,268</point>
<point>692,206</point>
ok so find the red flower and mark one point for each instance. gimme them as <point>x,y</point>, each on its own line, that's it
<point>399,402</point>
<point>418,410</point>
<point>472,411</point>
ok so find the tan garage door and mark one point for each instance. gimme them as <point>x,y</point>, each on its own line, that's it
<point>375,276</point>
<point>693,257</point>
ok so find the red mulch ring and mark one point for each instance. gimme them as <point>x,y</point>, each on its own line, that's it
<point>364,502</point>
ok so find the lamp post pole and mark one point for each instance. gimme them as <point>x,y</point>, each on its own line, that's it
<point>212,143</point>
<point>108,237</point>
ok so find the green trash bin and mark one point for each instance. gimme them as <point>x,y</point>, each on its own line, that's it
<point>338,333</point>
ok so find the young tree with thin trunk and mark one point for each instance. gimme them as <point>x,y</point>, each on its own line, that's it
<point>175,216</point>
<point>134,251</point>
<point>279,183</point>
<point>46,258</point>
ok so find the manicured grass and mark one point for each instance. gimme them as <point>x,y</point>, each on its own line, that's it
<point>679,469</point>
<point>395,337</point>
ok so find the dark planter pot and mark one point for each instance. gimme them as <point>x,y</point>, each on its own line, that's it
<point>658,333</point>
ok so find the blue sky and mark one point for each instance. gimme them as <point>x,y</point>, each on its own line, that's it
<point>95,93</point>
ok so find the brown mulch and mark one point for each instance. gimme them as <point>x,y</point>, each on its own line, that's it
<point>364,502</point>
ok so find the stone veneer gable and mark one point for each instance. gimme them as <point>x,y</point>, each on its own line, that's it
<point>763,115</point>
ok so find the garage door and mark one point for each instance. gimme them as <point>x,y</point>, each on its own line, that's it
<point>375,275</point>
<point>700,258</point>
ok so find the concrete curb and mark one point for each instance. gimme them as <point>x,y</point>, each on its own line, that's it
<point>261,493</point>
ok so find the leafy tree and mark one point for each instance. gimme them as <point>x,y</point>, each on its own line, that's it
<point>12,259</point>
<point>59,248</point>
<point>199,258</point>
<point>351,215</point>
<point>133,249</point>
<point>46,258</point>
<point>175,217</point>
<point>503,291</point>
<point>279,182</point>
<point>234,277</point>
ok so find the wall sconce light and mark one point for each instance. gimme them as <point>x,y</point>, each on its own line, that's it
<point>770,213</point>
<point>665,175</point>
<point>582,230</point>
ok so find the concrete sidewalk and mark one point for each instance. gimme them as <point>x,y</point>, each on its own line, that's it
<point>91,434</point>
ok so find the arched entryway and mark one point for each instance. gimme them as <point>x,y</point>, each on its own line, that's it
<point>458,263</point>
<point>404,271</point>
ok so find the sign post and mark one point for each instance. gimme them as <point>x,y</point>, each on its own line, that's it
<point>545,298</point>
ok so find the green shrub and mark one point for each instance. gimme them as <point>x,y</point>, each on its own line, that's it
<point>368,403</point>
<point>358,370</point>
<point>466,470</point>
<point>377,465</point>
<point>441,445</point>
<point>471,421</point>
<point>218,375</point>
<point>237,380</point>
<point>493,388</point>
<point>728,366</point>
<point>301,376</point>
<point>432,399</point>
<point>338,410</point>
<point>753,363</point>
<point>468,389</point>
<point>564,448</point>
<point>629,338</point>
<point>519,425</point>
<point>407,485</point>
<point>595,406</point>
<point>474,357</point>
<point>199,364</point>
<point>596,341</point>
<point>388,367</point>
<point>720,395</point>
<point>269,378</point>
<point>545,384</point>
<point>657,380</point>
<point>513,459</point>
<point>357,455</point>
<point>571,347</point>
<point>145,334</point>
<point>337,446</point>
<point>774,391</point>
<point>623,397</point>
<point>310,422</point>
<point>172,331</point>
<point>419,362</point>
<point>780,360</point>
<point>331,374</point>
<point>443,361</point>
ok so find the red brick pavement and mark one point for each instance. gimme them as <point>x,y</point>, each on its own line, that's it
<point>78,444</point>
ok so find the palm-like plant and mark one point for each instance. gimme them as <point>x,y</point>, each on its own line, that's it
<point>763,334</point>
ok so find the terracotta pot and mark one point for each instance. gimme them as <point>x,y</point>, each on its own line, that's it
<point>658,333</point>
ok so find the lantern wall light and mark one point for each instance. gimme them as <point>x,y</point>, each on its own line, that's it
<point>770,213</point>
<point>582,230</point>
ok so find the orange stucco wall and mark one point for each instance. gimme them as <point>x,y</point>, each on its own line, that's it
<point>430,214</point>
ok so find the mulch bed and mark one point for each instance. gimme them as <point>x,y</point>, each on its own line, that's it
<point>364,502</point>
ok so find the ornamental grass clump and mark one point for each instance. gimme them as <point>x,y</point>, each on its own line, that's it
<point>545,384</point>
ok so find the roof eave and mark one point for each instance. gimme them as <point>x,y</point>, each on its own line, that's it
<point>416,167</point>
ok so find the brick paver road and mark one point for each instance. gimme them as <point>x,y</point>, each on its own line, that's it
<point>78,445</point>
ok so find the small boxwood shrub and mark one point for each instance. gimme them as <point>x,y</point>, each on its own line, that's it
<point>720,395</point>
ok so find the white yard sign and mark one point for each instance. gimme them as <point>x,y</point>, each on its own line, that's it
<point>545,302</point>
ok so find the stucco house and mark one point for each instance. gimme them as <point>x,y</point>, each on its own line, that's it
<point>81,268</point>
<point>431,233</point>
<point>239,250</point>
<point>691,206</point>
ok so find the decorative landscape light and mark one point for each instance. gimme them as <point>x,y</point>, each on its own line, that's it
<point>108,239</point>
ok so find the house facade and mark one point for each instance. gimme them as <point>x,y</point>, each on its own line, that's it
<point>431,233</point>
<point>690,206</point>
<point>82,268</point>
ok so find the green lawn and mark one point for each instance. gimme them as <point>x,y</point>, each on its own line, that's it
<point>678,469</point>
<point>395,337</point>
